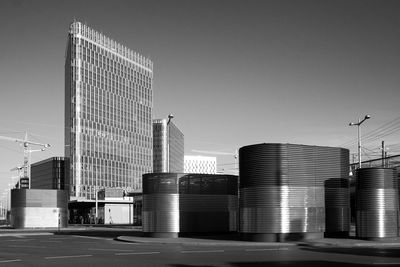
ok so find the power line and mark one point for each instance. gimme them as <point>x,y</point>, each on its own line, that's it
<point>384,130</point>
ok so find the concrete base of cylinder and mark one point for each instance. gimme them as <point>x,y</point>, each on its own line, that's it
<point>161,235</point>
<point>394,238</point>
<point>279,237</point>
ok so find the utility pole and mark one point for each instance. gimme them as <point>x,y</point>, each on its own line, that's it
<point>384,155</point>
<point>358,124</point>
<point>386,159</point>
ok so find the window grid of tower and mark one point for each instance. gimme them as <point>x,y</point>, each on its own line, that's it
<point>200,164</point>
<point>110,113</point>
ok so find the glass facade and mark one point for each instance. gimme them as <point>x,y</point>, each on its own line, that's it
<point>108,113</point>
<point>200,164</point>
<point>168,147</point>
<point>51,173</point>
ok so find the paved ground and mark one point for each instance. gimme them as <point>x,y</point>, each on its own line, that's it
<point>324,242</point>
<point>133,234</point>
<point>98,247</point>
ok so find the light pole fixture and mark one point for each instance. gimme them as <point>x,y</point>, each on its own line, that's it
<point>170,117</point>
<point>358,124</point>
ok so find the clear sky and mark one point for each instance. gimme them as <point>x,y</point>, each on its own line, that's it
<point>233,73</point>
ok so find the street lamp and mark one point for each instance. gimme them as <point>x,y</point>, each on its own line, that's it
<point>358,124</point>
<point>170,117</point>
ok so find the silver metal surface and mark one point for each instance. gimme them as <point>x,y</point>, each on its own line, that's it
<point>191,203</point>
<point>208,213</point>
<point>282,209</point>
<point>282,187</point>
<point>337,207</point>
<point>377,203</point>
<point>160,213</point>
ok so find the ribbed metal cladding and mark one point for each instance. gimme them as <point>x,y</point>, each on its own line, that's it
<point>189,203</point>
<point>282,190</point>
<point>377,203</point>
<point>337,205</point>
<point>160,212</point>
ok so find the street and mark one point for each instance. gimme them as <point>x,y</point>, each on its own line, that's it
<point>79,250</point>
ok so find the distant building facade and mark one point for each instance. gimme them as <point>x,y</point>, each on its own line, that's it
<point>50,173</point>
<point>200,164</point>
<point>168,147</point>
<point>108,113</point>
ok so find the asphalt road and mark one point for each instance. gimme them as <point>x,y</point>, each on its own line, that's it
<point>74,250</point>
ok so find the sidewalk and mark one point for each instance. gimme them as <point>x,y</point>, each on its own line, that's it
<point>71,229</point>
<point>352,242</point>
<point>200,241</point>
<point>134,235</point>
<point>323,242</point>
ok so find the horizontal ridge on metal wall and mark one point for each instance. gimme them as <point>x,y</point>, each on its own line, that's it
<point>282,187</point>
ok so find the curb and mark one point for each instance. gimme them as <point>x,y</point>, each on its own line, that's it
<point>25,234</point>
<point>202,242</point>
<point>354,245</point>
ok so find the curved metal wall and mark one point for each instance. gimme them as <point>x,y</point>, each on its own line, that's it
<point>160,212</point>
<point>282,189</point>
<point>189,203</point>
<point>337,206</point>
<point>38,208</point>
<point>377,203</point>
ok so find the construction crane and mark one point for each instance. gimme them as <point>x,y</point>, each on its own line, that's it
<point>26,144</point>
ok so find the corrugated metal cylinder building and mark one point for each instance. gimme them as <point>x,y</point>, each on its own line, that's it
<point>377,203</point>
<point>282,191</point>
<point>175,204</point>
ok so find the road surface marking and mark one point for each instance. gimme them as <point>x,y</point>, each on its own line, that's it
<point>137,253</point>
<point>10,261</point>
<point>19,240</point>
<point>65,257</point>
<point>50,241</point>
<point>202,251</point>
<point>111,249</point>
<point>386,263</point>
<point>21,246</point>
<point>265,249</point>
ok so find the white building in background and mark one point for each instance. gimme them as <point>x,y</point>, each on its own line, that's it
<point>200,164</point>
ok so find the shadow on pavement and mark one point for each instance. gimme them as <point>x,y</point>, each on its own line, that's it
<point>365,251</point>
<point>281,263</point>
<point>223,237</point>
<point>101,233</point>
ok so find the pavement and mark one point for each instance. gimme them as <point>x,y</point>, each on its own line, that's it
<point>323,242</point>
<point>134,235</point>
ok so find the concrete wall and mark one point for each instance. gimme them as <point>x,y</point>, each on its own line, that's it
<point>118,213</point>
<point>39,208</point>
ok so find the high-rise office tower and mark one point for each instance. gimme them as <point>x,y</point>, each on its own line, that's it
<point>200,164</point>
<point>168,147</point>
<point>108,113</point>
